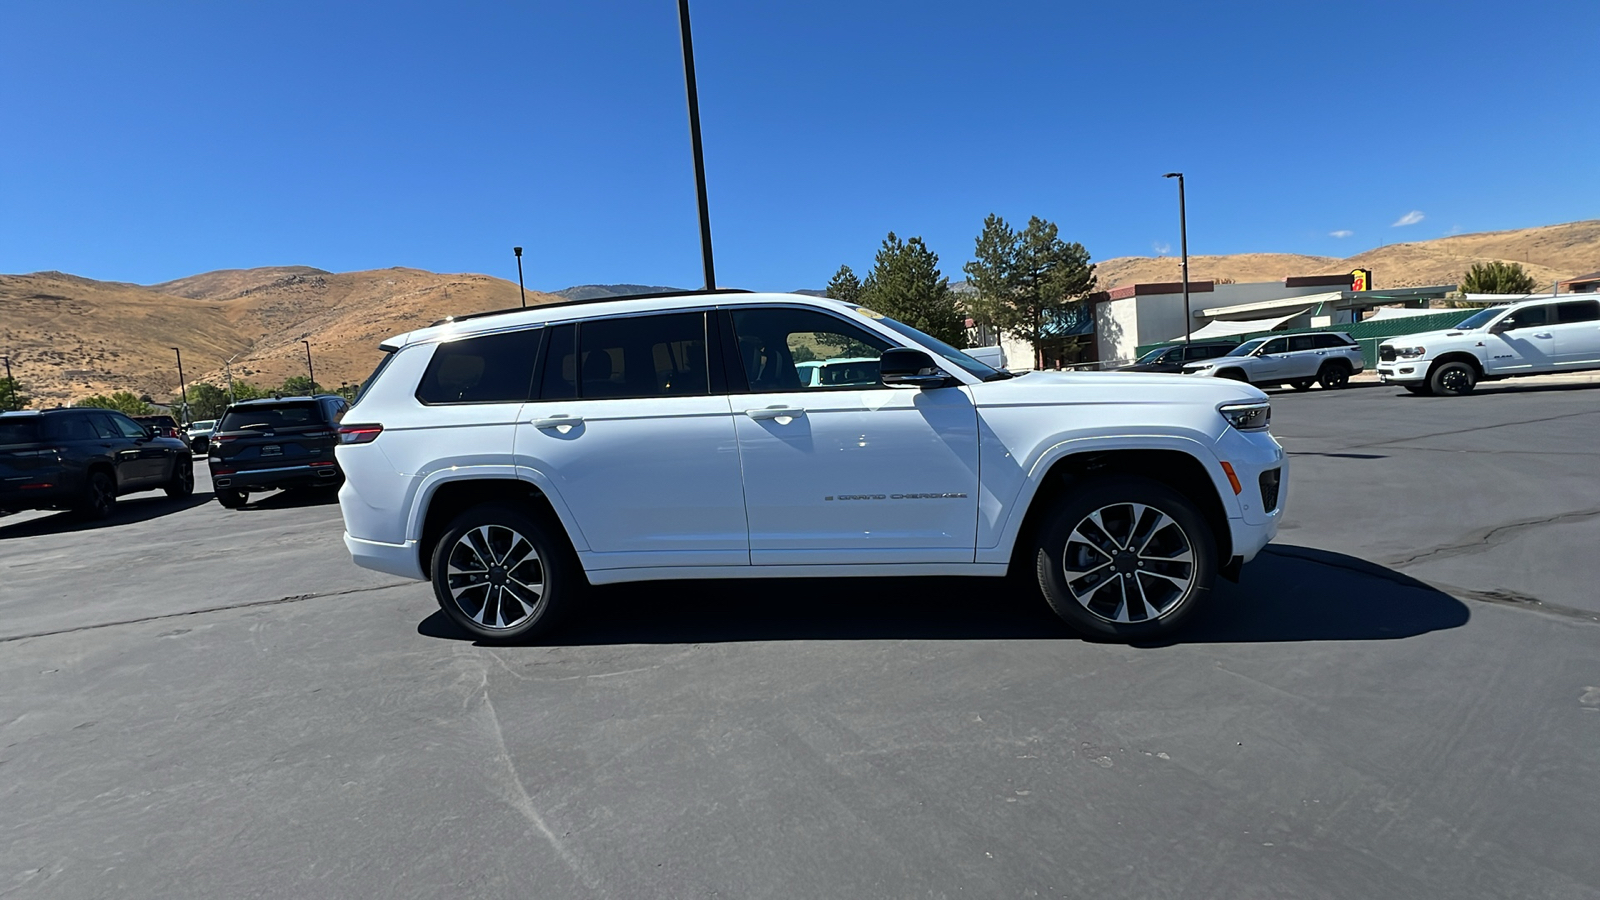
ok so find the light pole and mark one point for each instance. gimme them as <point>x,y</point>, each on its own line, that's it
<point>1183,238</point>
<point>11,386</point>
<point>694,137</point>
<point>228,368</point>
<point>310,371</point>
<point>518,252</point>
<point>182,385</point>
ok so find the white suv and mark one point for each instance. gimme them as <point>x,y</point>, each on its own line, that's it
<point>514,458</point>
<point>1298,360</point>
<point>1536,337</point>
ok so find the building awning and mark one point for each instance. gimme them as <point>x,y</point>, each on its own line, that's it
<point>1390,312</point>
<point>1303,302</point>
<point>1221,329</point>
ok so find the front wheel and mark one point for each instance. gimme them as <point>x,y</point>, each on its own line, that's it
<point>500,575</point>
<point>1453,379</point>
<point>1333,376</point>
<point>1126,558</point>
<point>182,482</point>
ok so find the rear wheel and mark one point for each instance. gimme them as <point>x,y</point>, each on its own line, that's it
<point>1303,384</point>
<point>231,499</point>
<point>500,574</point>
<point>1453,379</point>
<point>182,482</point>
<point>1333,376</point>
<point>1127,558</point>
<point>99,497</point>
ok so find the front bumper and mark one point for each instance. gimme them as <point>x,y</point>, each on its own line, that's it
<point>1257,509</point>
<point>1403,371</point>
<point>276,477</point>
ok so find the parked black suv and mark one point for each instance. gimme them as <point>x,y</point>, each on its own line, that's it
<point>260,445</point>
<point>84,459</point>
<point>1172,358</point>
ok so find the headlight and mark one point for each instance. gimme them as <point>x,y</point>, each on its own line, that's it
<point>1199,367</point>
<point>1248,416</point>
<point>1410,352</point>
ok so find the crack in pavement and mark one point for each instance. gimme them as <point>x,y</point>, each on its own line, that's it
<point>1473,430</point>
<point>1488,537</point>
<point>296,598</point>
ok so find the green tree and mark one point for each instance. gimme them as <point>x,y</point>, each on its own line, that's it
<point>299,386</point>
<point>1498,278</point>
<point>1020,277</point>
<point>13,394</point>
<point>121,401</point>
<point>905,283</point>
<point>206,401</point>
<point>845,286</point>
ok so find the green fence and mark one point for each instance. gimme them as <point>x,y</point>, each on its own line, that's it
<point>1368,334</point>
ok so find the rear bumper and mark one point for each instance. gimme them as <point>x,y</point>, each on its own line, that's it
<point>58,495</point>
<point>395,559</point>
<point>276,477</point>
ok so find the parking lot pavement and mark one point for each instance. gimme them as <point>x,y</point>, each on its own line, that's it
<point>1337,725</point>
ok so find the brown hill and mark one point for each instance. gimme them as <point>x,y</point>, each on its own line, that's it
<point>1549,253</point>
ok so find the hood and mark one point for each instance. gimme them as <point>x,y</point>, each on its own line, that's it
<point>1423,337</point>
<point>1047,388</point>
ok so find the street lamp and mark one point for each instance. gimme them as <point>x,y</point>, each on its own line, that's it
<point>694,137</point>
<point>228,368</point>
<point>310,371</point>
<point>182,385</point>
<point>1183,237</point>
<point>524,290</point>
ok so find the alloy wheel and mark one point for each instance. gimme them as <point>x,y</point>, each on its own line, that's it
<point>1128,562</point>
<point>496,577</point>
<point>1455,379</point>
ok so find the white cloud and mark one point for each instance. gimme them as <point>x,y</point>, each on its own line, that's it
<point>1162,249</point>
<point>1410,218</point>
<point>1341,233</point>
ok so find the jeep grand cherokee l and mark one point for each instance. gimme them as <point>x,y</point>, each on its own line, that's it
<point>83,459</point>
<point>514,458</point>
<point>263,445</point>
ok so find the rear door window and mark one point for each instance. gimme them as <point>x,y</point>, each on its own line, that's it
<point>491,368</point>
<point>643,356</point>
<point>271,416</point>
<point>1301,342</point>
<point>1578,311</point>
<point>71,428</point>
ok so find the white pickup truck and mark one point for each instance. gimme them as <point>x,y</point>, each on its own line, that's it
<point>515,458</point>
<point>1535,337</point>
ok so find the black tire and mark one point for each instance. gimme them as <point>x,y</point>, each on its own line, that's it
<point>99,497</point>
<point>1232,375</point>
<point>181,484</point>
<point>1303,384</point>
<point>1421,390</point>
<point>527,598</point>
<point>1152,567</point>
<point>1452,379</point>
<point>1333,376</point>
<point>232,499</point>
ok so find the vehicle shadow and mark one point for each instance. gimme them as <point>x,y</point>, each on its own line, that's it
<point>140,508</point>
<point>295,498</point>
<point>1288,594</point>
<point>1511,386</point>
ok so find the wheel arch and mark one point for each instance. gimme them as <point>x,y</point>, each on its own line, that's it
<point>1457,356</point>
<point>448,498</point>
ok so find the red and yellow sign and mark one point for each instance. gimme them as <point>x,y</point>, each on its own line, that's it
<point>1361,280</point>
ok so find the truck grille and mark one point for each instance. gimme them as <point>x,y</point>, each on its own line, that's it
<point>1269,489</point>
<point>1386,354</point>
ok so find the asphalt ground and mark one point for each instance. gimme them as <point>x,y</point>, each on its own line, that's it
<point>1400,699</point>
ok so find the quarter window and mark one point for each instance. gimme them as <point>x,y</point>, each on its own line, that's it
<point>493,368</point>
<point>787,349</point>
<point>1331,342</point>
<point>1577,311</point>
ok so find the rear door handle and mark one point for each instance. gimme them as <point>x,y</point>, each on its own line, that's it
<point>557,421</point>
<point>775,412</point>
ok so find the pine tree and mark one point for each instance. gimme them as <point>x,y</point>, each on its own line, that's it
<point>13,395</point>
<point>905,284</point>
<point>1020,277</point>
<point>845,286</point>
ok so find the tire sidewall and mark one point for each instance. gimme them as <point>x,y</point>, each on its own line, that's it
<point>1106,492</point>
<point>99,496</point>
<point>182,484</point>
<point>561,573</point>
<point>1333,376</point>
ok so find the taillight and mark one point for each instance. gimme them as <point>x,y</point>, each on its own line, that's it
<point>359,434</point>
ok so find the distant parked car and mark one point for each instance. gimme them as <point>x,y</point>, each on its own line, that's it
<point>262,445</point>
<point>1531,338</point>
<point>1172,359</point>
<point>1298,360</point>
<point>83,459</point>
<point>199,435</point>
<point>838,372</point>
<point>163,426</point>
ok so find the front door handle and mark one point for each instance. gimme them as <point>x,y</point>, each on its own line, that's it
<point>775,412</point>
<point>1542,335</point>
<point>558,421</point>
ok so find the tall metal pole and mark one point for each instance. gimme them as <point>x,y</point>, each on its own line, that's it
<point>182,385</point>
<point>11,386</point>
<point>518,252</point>
<point>310,371</point>
<point>694,135</point>
<point>1183,238</point>
<point>228,368</point>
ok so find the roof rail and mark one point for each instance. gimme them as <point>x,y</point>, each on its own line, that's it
<point>498,312</point>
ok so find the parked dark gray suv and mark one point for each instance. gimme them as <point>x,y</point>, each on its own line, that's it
<point>262,445</point>
<point>83,459</point>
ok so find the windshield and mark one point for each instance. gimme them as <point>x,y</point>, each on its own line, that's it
<point>1480,318</point>
<point>203,425</point>
<point>1246,348</point>
<point>273,416</point>
<point>960,360</point>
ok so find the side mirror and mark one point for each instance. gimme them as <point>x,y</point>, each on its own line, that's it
<point>905,367</point>
<point>1505,324</point>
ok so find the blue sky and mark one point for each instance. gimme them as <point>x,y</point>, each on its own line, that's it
<point>151,141</point>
